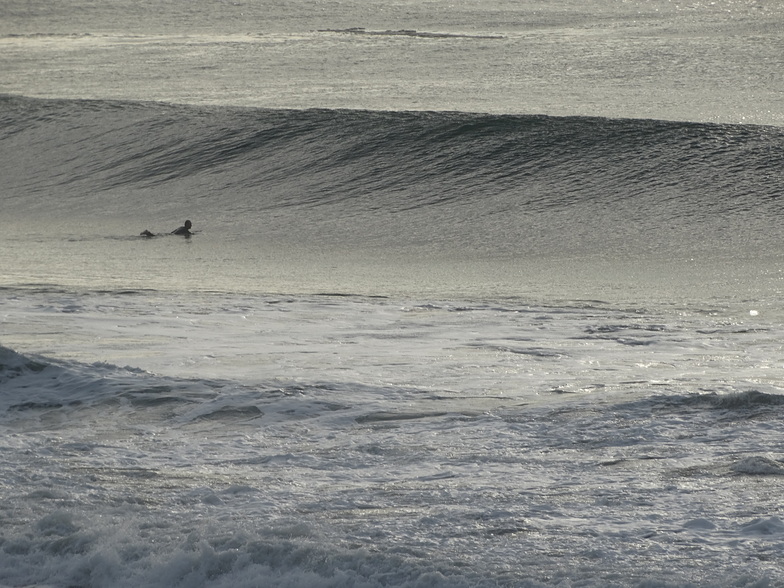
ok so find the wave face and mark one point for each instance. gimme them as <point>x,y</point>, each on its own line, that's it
<point>479,182</point>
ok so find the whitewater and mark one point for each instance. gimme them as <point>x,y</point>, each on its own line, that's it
<point>478,294</point>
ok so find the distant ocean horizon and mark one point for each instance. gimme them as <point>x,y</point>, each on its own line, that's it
<point>659,59</point>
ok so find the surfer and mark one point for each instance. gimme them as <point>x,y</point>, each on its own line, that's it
<point>184,230</point>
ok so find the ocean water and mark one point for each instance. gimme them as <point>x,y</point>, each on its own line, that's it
<point>479,294</point>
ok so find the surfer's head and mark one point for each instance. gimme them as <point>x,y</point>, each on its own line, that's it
<point>188,225</point>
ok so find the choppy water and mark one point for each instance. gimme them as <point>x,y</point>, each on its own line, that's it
<point>350,441</point>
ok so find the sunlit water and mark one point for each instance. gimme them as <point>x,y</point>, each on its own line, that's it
<point>401,349</point>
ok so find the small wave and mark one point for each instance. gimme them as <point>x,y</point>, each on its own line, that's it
<point>536,352</point>
<point>409,33</point>
<point>770,526</point>
<point>13,364</point>
<point>746,405</point>
<point>231,414</point>
<point>33,386</point>
<point>758,465</point>
<point>381,417</point>
<point>45,35</point>
<point>750,399</point>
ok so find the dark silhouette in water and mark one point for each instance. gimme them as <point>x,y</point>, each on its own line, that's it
<point>184,230</point>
